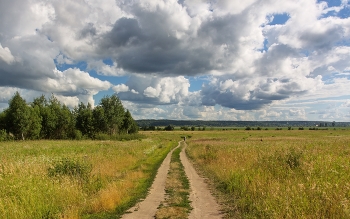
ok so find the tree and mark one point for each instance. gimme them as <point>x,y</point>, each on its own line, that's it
<point>18,117</point>
<point>2,120</point>
<point>99,120</point>
<point>34,123</point>
<point>113,113</point>
<point>84,119</point>
<point>59,120</point>
<point>41,104</point>
<point>169,128</point>
<point>129,125</point>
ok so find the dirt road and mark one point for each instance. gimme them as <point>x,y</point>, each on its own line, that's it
<point>203,203</point>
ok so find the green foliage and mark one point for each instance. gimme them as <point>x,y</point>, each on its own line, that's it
<point>113,113</point>
<point>84,120</point>
<point>21,120</point>
<point>169,128</point>
<point>49,119</point>
<point>70,167</point>
<point>129,125</point>
<point>4,136</point>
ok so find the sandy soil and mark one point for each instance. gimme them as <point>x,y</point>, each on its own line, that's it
<point>203,203</point>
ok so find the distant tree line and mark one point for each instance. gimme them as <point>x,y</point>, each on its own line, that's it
<point>50,119</point>
<point>221,123</point>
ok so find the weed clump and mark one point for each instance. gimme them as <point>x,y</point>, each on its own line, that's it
<point>70,167</point>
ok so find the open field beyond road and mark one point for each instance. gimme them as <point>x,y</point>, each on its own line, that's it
<point>254,174</point>
<point>277,174</point>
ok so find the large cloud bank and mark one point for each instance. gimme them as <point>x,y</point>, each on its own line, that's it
<point>258,58</point>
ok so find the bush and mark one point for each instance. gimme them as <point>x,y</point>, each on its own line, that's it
<point>293,158</point>
<point>4,136</point>
<point>70,167</point>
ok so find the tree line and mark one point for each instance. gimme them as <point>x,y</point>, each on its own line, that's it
<point>50,119</point>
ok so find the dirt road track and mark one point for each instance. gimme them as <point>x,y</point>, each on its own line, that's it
<point>148,207</point>
<point>203,203</point>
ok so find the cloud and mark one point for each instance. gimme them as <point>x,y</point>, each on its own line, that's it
<point>5,55</point>
<point>74,82</point>
<point>253,94</point>
<point>154,89</point>
<point>121,88</point>
<point>76,49</point>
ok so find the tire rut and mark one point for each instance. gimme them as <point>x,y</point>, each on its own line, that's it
<point>202,201</point>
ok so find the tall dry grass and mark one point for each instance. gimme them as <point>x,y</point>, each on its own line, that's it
<point>278,174</point>
<point>114,174</point>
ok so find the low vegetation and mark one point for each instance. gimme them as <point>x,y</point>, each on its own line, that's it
<point>76,179</point>
<point>255,174</point>
<point>277,174</point>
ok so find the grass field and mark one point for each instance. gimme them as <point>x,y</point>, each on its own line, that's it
<point>76,179</point>
<point>256,174</point>
<point>277,174</point>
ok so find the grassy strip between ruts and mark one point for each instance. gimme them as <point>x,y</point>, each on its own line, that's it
<point>277,174</point>
<point>176,204</point>
<point>76,179</point>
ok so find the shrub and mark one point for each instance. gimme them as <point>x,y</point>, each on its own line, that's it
<point>293,158</point>
<point>70,167</point>
<point>3,135</point>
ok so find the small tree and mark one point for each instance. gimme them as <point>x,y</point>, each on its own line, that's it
<point>18,117</point>
<point>129,124</point>
<point>169,128</point>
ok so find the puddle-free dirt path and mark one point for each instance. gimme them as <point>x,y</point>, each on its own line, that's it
<point>203,203</point>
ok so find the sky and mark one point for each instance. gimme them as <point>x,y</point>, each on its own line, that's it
<point>182,59</point>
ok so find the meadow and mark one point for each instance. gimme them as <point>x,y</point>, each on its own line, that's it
<point>276,173</point>
<point>77,179</point>
<point>254,174</point>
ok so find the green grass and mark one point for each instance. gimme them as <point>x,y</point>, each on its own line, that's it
<point>277,174</point>
<point>76,179</point>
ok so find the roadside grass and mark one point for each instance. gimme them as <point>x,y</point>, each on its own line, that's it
<point>176,204</point>
<point>76,179</point>
<point>277,174</point>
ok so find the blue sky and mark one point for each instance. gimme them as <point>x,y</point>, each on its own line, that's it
<point>169,59</point>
